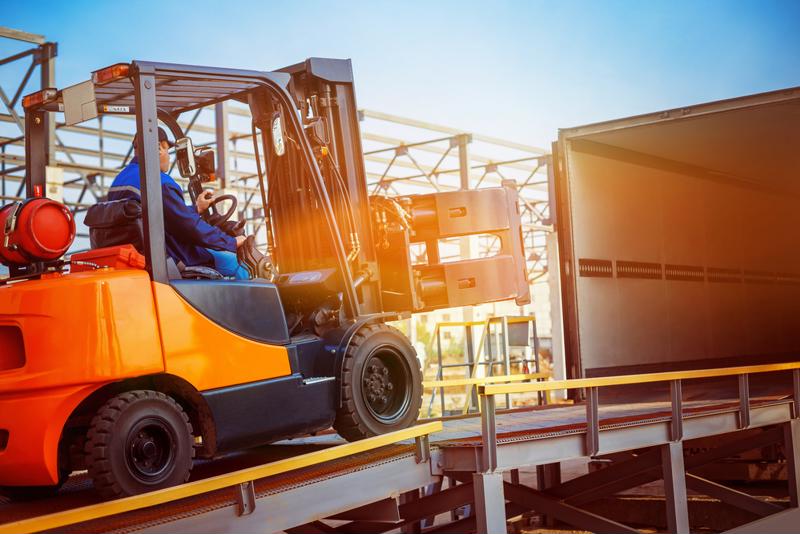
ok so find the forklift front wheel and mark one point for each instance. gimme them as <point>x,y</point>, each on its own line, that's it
<point>139,441</point>
<point>381,384</point>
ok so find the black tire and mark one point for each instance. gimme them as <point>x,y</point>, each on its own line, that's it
<point>139,441</point>
<point>381,384</point>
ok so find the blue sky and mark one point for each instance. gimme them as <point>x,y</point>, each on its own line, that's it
<point>517,70</point>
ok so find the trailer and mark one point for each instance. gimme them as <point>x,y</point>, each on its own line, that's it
<point>678,237</point>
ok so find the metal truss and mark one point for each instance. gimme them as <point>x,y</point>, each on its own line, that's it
<point>42,57</point>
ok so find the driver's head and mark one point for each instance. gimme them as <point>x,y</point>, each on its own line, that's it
<point>164,144</point>
<point>163,155</point>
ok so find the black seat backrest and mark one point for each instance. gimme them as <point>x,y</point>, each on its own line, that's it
<point>119,222</point>
<point>115,222</point>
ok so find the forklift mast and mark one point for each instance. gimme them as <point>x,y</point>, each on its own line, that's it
<point>323,90</point>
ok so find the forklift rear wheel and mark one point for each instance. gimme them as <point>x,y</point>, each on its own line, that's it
<point>381,384</point>
<point>139,441</point>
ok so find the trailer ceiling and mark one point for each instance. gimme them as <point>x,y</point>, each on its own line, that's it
<point>757,145</point>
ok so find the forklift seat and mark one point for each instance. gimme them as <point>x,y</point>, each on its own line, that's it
<point>116,222</point>
<point>119,222</point>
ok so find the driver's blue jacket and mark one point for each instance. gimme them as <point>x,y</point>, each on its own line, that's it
<point>187,235</point>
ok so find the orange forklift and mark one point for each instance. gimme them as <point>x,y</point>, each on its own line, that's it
<point>120,362</point>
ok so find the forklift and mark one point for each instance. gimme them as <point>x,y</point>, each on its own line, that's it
<point>118,361</point>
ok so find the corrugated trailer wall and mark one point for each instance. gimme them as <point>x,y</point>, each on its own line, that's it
<point>683,240</point>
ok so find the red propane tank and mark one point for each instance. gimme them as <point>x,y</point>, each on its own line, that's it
<point>38,229</point>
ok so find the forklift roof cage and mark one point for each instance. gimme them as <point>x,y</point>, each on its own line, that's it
<point>162,91</point>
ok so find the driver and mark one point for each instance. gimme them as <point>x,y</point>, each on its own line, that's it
<point>189,239</point>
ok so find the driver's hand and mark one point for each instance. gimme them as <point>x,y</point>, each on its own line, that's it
<point>204,200</point>
<point>240,239</point>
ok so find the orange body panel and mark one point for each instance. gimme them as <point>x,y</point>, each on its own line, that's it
<point>84,330</point>
<point>207,355</point>
<point>80,332</point>
<point>35,420</point>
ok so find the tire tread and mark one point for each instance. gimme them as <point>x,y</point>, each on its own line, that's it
<point>98,461</point>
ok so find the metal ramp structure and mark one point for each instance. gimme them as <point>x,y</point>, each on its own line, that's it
<point>462,474</point>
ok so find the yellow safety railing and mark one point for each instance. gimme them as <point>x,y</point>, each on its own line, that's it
<point>488,408</point>
<point>621,380</point>
<point>244,476</point>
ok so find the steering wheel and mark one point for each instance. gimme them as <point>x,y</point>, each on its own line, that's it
<point>214,218</point>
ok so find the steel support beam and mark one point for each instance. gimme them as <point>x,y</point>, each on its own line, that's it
<point>592,421</point>
<point>488,434</point>
<point>536,500</point>
<point>735,498</point>
<point>416,510</point>
<point>47,67</point>
<point>468,524</point>
<point>445,129</point>
<point>613,473</point>
<point>410,498</point>
<point>791,447</point>
<point>673,472</point>
<point>547,476</point>
<point>676,400</point>
<point>19,35</point>
<point>744,401</point>
<point>315,527</point>
<point>646,468</point>
<point>489,503</point>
